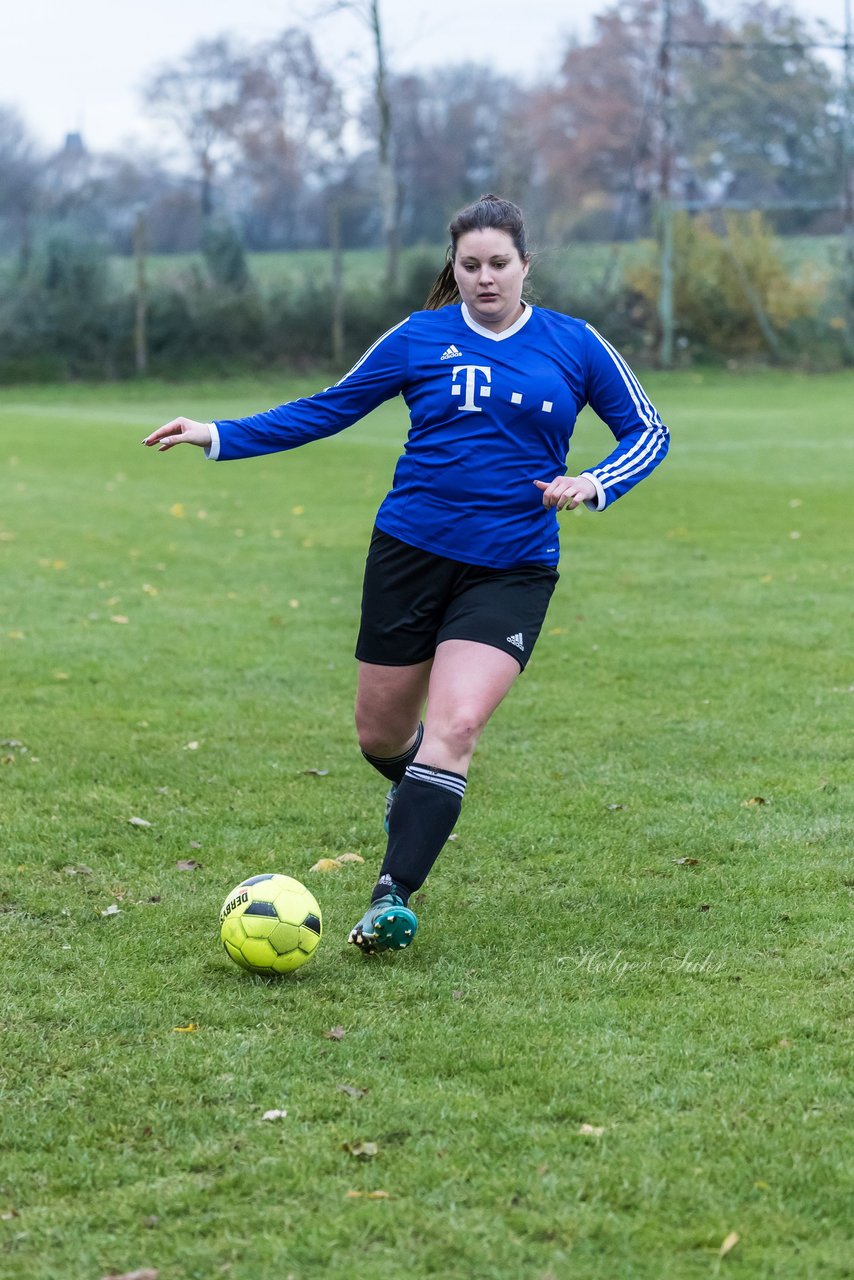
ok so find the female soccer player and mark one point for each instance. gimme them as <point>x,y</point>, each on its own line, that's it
<point>462,561</point>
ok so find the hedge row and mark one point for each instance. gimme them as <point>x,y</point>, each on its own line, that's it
<point>62,317</point>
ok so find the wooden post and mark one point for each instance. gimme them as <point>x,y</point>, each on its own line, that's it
<point>848,185</point>
<point>140,328</point>
<point>665,205</point>
<point>337,334</point>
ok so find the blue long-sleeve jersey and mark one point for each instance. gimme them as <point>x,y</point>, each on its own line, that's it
<point>490,413</point>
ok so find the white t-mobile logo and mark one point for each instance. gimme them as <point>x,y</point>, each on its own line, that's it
<point>471,386</point>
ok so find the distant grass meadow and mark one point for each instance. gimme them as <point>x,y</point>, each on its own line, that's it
<point>579,267</point>
<point>621,1046</point>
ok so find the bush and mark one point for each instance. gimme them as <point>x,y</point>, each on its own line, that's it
<point>63,317</point>
<point>62,313</point>
<point>733,293</point>
<point>224,257</point>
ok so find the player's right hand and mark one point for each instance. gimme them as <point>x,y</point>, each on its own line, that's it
<point>180,431</point>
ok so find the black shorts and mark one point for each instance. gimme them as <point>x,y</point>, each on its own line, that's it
<point>412,600</point>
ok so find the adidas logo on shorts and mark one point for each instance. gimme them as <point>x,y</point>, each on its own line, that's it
<point>453,353</point>
<point>517,641</point>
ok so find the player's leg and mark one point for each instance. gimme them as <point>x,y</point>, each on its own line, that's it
<point>467,682</point>
<point>389,701</point>
<point>403,600</point>
<point>487,634</point>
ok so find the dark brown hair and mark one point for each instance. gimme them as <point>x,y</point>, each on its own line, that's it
<point>488,213</point>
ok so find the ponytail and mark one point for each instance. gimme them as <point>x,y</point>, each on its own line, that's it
<point>444,291</point>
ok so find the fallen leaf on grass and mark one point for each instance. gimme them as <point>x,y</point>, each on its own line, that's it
<point>351,1090</point>
<point>191,1026</point>
<point>361,1150</point>
<point>120,618</point>
<point>191,746</point>
<point>113,910</point>
<point>8,1214</point>
<point>687,862</point>
<point>729,1244</point>
<point>615,806</point>
<point>334,1033</point>
<point>752,801</point>
<point>274,1115</point>
<point>333,864</point>
<point>138,822</point>
<point>591,1130</point>
<point>188,864</point>
<point>316,773</point>
<point>368,1195</point>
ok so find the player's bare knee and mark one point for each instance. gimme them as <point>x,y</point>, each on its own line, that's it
<point>460,733</point>
<point>380,739</point>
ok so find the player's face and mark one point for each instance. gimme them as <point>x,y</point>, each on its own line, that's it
<point>489,273</point>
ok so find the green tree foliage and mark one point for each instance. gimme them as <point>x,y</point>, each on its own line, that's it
<point>224,257</point>
<point>755,120</point>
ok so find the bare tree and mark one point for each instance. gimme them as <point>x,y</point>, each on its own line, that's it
<point>200,97</point>
<point>368,12</point>
<point>288,133</point>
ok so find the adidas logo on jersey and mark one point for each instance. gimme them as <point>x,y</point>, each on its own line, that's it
<point>517,641</point>
<point>452,353</point>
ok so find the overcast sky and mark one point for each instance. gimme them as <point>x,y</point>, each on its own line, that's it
<point>79,66</point>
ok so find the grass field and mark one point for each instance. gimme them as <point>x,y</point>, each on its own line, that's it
<point>577,269</point>
<point>623,1037</point>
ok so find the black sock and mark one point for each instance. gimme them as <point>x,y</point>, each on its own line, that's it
<point>394,767</point>
<point>423,815</point>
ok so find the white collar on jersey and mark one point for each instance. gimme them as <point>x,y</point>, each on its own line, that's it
<point>505,333</point>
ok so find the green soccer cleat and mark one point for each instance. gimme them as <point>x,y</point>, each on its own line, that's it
<point>389,801</point>
<point>387,925</point>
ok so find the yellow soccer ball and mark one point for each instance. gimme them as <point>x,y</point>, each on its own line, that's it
<point>270,924</point>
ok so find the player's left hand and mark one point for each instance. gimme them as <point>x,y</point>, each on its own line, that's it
<point>566,491</point>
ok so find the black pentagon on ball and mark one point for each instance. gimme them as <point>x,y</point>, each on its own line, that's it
<point>260,909</point>
<point>312,922</point>
<point>257,879</point>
